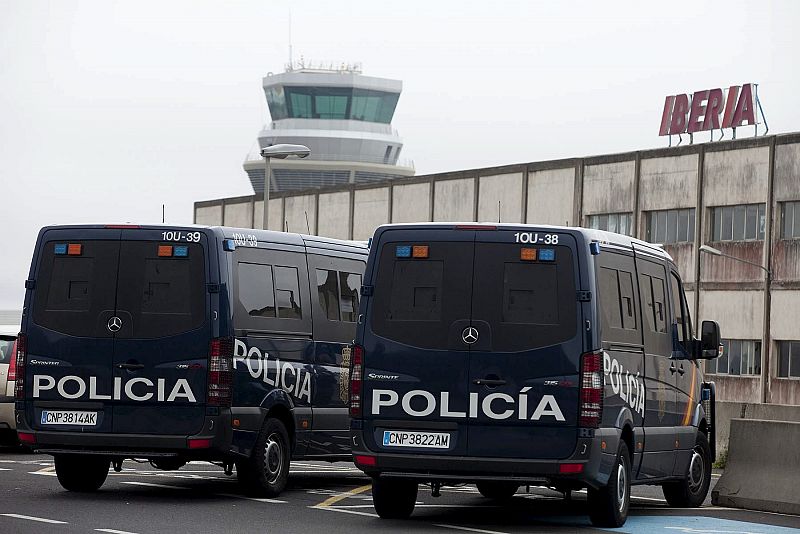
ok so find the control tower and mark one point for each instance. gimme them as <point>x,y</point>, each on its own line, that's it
<point>345,119</point>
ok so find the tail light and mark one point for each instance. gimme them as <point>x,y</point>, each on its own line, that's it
<point>591,410</point>
<point>220,372</point>
<point>356,378</point>
<point>19,372</point>
<point>12,365</point>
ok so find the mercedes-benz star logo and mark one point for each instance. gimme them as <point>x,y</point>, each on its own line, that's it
<point>114,324</point>
<point>469,335</point>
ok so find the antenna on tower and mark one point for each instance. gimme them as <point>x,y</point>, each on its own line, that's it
<point>290,37</point>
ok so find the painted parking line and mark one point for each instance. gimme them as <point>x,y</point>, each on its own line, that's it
<point>256,499</point>
<point>342,496</point>
<point>112,531</point>
<point>153,485</point>
<point>5,469</point>
<point>32,518</point>
<point>468,529</point>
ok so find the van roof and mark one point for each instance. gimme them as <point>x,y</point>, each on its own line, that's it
<point>599,236</point>
<point>268,236</point>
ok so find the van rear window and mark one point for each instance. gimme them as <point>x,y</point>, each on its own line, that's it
<point>155,295</point>
<point>73,290</point>
<point>417,300</point>
<point>426,302</point>
<point>164,295</point>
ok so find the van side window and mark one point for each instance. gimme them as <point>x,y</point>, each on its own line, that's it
<point>683,323</point>
<point>259,299</point>
<point>349,284</point>
<point>618,298</point>
<point>287,292</point>
<point>654,301</point>
<point>338,294</point>
<point>619,306</point>
<point>268,295</point>
<point>328,292</point>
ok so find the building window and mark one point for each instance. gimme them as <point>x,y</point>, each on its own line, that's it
<point>612,222</point>
<point>744,222</point>
<point>670,226</point>
<point>790,220</point>
<point>789,363</point>
<point>739,357</point>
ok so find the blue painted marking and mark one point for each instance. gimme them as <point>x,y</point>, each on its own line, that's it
<point>403,251</point>
<point>180,251</point>
<point>696,525</point>
<point>671,524</point>
<point>61,248</point>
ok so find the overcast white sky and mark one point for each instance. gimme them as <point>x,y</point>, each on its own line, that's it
<point>110,108</point>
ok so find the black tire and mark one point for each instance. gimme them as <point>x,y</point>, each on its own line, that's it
<point>691,491</point>
<point>608,506</point>
<point>266,472</point>
<point>82,473</point>
<point>394,498</point>
<point>497,490</point>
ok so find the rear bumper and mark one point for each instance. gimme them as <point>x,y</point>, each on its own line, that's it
<point>597,464</point>
<point>216,429</point>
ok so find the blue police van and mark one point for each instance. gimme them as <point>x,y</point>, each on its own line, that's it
<point>176,344</point>
<point>510,355</point>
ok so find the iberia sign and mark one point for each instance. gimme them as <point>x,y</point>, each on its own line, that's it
<point>710,109</point>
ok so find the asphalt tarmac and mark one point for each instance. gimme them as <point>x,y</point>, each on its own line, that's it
<point>321,497</point>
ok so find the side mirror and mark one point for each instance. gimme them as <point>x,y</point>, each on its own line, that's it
<point>709,340</point>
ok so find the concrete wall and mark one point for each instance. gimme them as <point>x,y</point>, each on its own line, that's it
<point>275,214</point>
<point>454,200</point>
<point>568,191</point>
<point>551,196</point>
<point>334,215</point>
<point>297,209</point>
<point>371,209</point>
<point>239,214</point>
<point>209,215</point>
<point>499,198</point>
<point>608,188</point>
<point>411,203</point>
<point>746,410</point>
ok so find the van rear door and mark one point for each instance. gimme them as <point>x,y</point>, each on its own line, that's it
<point>70,348</point>
<point>524,365</point>
<point>161,350</point>
<point>415,381</point>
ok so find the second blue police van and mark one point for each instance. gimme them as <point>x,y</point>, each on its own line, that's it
<point>175,344</point>
<point>509,355</point>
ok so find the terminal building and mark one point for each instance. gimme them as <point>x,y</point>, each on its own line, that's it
<point>344,117</point>
<point>741,197</point>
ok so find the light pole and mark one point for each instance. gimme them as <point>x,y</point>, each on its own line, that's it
<point>716,252</point>
<point>766,340</point>
<point>281,152</point>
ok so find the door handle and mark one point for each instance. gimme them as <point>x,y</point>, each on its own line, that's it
<point>491,382</point>
<point>130,366</point>
<point>672,368</point>
<point>681,370</point>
